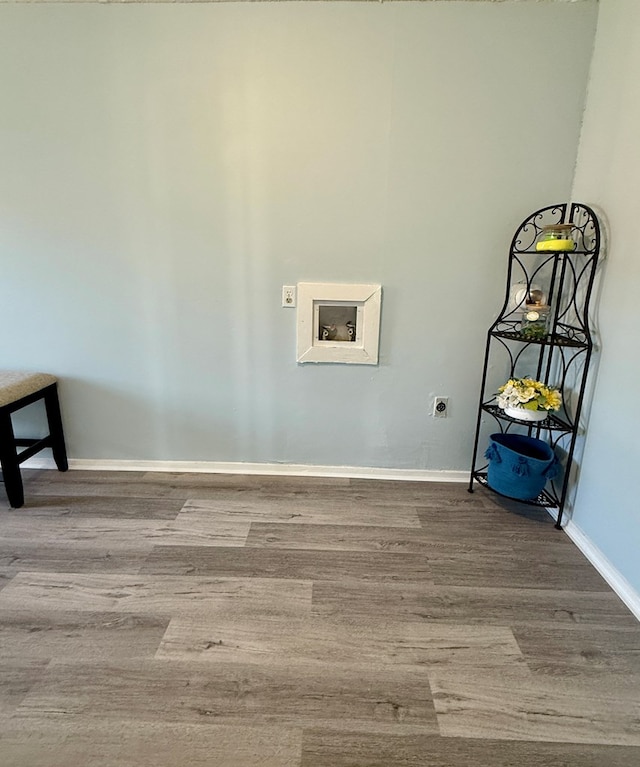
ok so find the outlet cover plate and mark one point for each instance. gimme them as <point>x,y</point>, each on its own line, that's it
<point>289,296</point>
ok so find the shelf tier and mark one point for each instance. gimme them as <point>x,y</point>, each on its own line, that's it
<point>553,252</point>
<point>544,500</point>
<point>554,339</point>
<point>551,422</point>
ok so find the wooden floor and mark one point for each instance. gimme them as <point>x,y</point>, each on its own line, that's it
<point>166,620</point>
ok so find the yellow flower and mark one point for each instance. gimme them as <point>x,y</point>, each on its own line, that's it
<point>554,400</point>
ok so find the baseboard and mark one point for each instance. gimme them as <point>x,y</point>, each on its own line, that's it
<point>266,469</point>
<point>612,576</point>
<point>608,571</point>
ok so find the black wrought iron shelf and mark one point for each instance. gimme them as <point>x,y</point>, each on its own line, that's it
<point>563,353</point>
<point>551,422</point>
<point>557,339</point>
<point>545,499</point>
<point>550,252</point>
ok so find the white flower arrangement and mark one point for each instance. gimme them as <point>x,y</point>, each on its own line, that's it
<point>528,394</point>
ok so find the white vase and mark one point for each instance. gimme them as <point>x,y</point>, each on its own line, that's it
<point>522,414</point>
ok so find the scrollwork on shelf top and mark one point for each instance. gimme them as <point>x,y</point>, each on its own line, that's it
<point>525,237</point>
<point>586,231</point>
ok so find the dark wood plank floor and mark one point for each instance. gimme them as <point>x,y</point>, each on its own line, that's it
<point>156,620</point>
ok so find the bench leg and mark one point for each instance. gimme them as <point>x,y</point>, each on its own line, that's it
<point>9,462</point>
<point>54,418</point>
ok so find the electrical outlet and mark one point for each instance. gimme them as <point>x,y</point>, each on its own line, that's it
<point>289,295</point>
<point>440,407</point>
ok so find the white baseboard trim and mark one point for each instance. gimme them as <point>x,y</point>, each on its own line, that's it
<point>266,469</point>
<point>608,571</point>
<point>612,576</point>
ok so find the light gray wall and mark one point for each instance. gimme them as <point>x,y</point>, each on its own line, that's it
<point>165,169</point>
<point>607,508</point>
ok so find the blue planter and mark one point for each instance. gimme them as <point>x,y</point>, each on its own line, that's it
<point>519,466</point>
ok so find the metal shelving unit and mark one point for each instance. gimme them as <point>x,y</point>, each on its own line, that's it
<point>560,358</point>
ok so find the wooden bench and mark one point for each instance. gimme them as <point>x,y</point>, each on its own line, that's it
<point>17,390</point>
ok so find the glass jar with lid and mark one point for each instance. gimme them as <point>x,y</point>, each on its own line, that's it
<point>534,324</point>
<point>556,237</point>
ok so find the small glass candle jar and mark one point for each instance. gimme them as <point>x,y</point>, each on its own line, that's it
<point>556,237</point>
<point>535,322</point>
